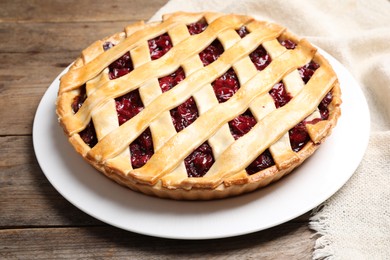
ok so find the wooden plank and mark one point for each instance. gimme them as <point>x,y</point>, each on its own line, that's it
<point>32,68</point>
<point>19,105</point>
<point>27,198</point>
<point>24,78</point>
<point>77,11</point>
<point>289,241</point>
<point>55,37</point>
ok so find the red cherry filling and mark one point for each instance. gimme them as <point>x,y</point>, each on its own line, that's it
<point>289,44</point>
<point>121,66</point>
<point>307,71</point>
<point>141,149</point>
<point>323,107</point>
<point>128,106</point>
<point>79,100</point>
<point>242,31</point>
<point>280,95</point>
<point>226,86</point>
<point>199,161</point>
<point>260,163</point>
<point>260,58</point>
<point>298,136</point>
<point>159,46</point>
<point>88,135</point>
<point>168,82</point>
<point>241,125</point>
<point>196,28</point>
<point>211,53</point>
<point>184,114</point>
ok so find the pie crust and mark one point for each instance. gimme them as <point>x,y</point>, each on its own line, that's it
<point>164,174</point>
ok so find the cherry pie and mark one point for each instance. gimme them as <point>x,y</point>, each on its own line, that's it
<point>198,106</point>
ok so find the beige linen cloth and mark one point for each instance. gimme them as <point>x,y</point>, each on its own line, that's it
<point>355,222</point>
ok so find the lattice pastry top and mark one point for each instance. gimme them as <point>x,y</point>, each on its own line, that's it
<point>199,105</point>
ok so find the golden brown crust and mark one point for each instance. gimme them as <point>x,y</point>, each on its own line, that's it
<point>164,174</point>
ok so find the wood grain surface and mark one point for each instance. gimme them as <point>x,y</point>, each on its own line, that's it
<point>38,40</point>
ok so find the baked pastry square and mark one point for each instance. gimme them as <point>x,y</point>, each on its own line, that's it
<point>198,106</point>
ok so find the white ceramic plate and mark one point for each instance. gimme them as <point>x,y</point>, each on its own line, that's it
<point>308,186</point>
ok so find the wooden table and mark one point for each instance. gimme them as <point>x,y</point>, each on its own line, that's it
<point>38,40</point>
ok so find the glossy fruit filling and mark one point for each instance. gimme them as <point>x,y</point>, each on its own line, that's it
<point>260,58</point>
<point>199,161</point>
<point>323,106</point>
<point>299,135</point>
<point>262,162</point>
<point>159,46</point>
<point>121,66</point>
<point>288,44</point>
<point>168,82</point>
<point>88,135</point>
<point>241,125</point>
<point>242,31</point>
<point>226,86</point>
<point>197,27</point>
<point>308,70</point>
<point>141,149</point>
<point>211,53</point>
<point>280,95</point>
